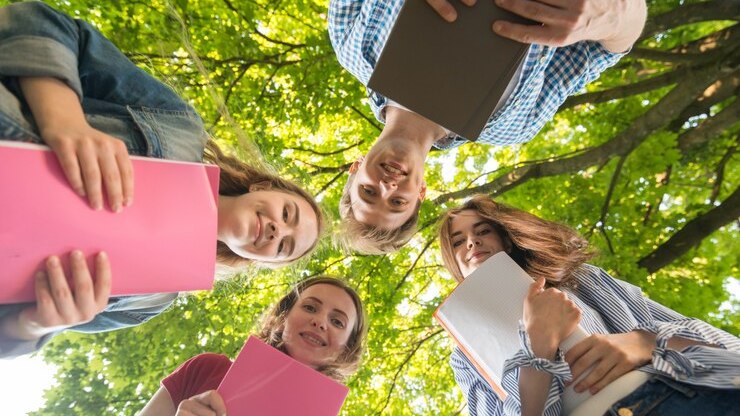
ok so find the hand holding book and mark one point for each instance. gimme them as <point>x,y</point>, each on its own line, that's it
<point>549,318</point>
<point>564,22</point>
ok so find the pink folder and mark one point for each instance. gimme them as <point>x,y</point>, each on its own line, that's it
<point>264,381</point>
<point>164,242</point>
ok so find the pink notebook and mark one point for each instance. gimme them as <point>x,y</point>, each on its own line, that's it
<point>264,381</point>
<point>164,242</point>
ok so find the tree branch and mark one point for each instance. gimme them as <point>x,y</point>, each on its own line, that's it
<point>691,13</point>
<point>710,128</point>
<point>693,233</point>
<point>654,119</point>
<point>720,175</point>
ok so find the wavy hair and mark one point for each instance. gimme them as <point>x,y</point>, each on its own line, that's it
<point>235,179</point>
<point>542,248</point>
<point>349,360</point>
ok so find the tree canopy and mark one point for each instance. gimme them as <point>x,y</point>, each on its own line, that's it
<point>643,163</point>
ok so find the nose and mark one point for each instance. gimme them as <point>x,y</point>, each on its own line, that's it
<point>272,231</point>
<point>473,241</point>
<point>387,186</point>
<point>319,322</point>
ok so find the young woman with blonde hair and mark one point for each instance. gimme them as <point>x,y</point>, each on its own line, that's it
<point>320,322</point>
<point>685,366</point>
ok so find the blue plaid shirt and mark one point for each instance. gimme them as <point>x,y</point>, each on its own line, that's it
<point>359,29</point>
<point>611,306</point>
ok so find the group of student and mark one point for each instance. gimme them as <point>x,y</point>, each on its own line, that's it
<point>65,85</point>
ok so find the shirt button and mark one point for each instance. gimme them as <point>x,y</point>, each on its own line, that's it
<point>736,381</point>
<point>624,412</point>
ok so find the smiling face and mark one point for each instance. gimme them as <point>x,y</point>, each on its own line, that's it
<point>319,325</point>
<point>387,185</point>
<point>267,226</point>
<point>473,240</point>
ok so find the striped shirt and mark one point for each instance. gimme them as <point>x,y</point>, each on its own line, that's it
<point>359,29</point>
<point>611,306</point>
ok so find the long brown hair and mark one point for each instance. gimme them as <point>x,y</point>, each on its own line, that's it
<point>542,248</point>
<point>349,360</point>
<point>235,179</point>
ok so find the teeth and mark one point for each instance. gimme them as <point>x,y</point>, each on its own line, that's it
<point>393,170</point>
<point>313,340</point>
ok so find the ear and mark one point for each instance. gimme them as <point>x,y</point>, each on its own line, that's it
<point>260,186</point>
<point>356,165</point>
<point>423,191</point>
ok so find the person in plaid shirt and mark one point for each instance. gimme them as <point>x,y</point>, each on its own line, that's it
<point>576,41</point>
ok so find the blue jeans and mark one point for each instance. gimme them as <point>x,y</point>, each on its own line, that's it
<point>661,396</point>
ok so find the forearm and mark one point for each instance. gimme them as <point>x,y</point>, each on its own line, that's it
<point>631,15</point>
<point>52,103</point>
<point>534,385</point>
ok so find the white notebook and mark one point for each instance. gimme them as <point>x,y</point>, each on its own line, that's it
<point>482,315</point>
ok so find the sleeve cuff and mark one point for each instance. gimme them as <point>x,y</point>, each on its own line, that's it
<point>36,56</point>
<point>559,368</point>
<point>672,362</point>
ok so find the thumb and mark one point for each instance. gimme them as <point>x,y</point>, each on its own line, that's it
<point>537,286</point>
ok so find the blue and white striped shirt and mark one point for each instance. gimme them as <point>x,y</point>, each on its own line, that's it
<point>359,29</point>
<point>611,306</point>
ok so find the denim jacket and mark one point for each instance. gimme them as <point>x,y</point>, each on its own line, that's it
<point>117,97</point>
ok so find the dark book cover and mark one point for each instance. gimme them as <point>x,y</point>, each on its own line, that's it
<point>451,73</point>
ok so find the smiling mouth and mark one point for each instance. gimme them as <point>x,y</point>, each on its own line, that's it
<point>313,339</point>
<point>258,233</point>
<point>478,255</point>
<point>393,169</point>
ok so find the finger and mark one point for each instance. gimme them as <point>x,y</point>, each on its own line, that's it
<point>444,9</point>
<point>83,287</point>
<point>601,368</point>
<point>576,351</point>
<point>617,371</point>
<point>539,11</point>
<point>111,178</point>
<point>59,289</point>
<point>194,407</point>
<point>45,306</point>
<point>537,286</point>
<point>71,167</point>
<point>103,280</point>
<point>542,35</point>
<point>216,402</point>
<point>91,175</point>
<point>126,170</point>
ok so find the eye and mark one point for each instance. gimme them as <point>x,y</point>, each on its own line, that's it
<point>309,308</point>
<point>281,246</point>
<point>484,231</point>
<point>337,323</point>
<point>285,213</point>
<point>367,190</point>
<point>398,202</point>
<point>457,243</point>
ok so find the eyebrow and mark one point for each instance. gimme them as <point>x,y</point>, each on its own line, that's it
<point>479,223</point>
<point>296,214</point>
<point>321,303</point>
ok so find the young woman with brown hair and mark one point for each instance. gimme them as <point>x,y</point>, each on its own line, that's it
<point>320,322</point>
<point>63,84</point>
<point>686,366</point>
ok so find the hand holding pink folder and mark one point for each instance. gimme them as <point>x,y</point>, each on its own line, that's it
<point>264,381</point>
<point>163,243</point>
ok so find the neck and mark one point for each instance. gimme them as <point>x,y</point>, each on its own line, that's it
<point>224,206</point>
<point>412,127</point>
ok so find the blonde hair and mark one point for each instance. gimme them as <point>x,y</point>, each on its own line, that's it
<point>348,361</point>
<point>542,248</point>
<point>369,239</point>
<point>235,179</point>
